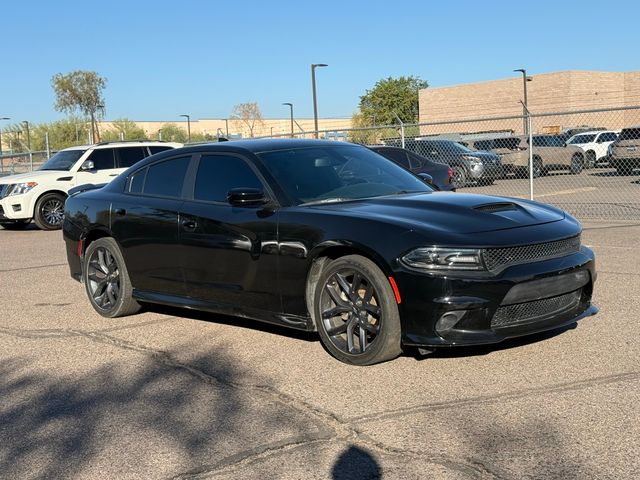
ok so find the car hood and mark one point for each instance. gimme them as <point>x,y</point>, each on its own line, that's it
<point>33,176</point>
<point>456,213</point>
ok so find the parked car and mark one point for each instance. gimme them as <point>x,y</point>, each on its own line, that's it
<point>594,144</point>
<point>40,195</point>
<point>329,237</point>
<point>625,152</point>
<point>467,165</point>
<point>441,174</point>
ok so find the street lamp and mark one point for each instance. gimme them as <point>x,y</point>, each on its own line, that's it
<point>188,127</point>
<point>291,111</point>
<point>525,79</point>
<point>1,162</point>
<point>26,124</point>
<point>313,88</point>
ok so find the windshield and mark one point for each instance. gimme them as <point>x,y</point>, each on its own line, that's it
<point>63,160</point>
<point>578,139</point>
<point>327,174</point>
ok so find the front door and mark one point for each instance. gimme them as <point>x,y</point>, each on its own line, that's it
<point>104,163</point>
<point>230,252</point>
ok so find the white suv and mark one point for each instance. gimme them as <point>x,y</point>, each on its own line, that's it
<point>40,195</point>
<point>595,145</point>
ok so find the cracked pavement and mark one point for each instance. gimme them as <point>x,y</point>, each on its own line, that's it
<point>176,394</point>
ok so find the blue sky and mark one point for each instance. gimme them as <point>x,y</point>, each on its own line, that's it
<point>165,58</point>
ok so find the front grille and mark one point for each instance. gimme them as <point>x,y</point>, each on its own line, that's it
<point>537,310</point>
<point>498,258</point>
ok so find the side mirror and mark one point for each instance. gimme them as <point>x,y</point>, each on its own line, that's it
<point>426,178</point>
<point>246,197</point>
<point>87,166</point>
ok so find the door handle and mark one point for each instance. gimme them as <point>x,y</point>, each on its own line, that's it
<point>120,211</point>
<point>189,225</point>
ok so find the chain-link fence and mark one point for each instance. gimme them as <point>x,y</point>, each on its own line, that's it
<point>582,161</point>
<point>13,163</point>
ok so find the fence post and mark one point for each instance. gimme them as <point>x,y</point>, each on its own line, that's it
<point>46,141</point>
<point>530,130</point>
<point>401,129</point>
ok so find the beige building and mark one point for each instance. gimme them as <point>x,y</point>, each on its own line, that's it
<point>222,127</point>
<point>566,91</point>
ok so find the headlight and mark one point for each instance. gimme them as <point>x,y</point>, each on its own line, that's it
<point>21,188</point>
<point>474,161</point>
<point>436,258</point>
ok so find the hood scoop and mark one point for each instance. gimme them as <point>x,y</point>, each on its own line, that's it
<point>496,207</point>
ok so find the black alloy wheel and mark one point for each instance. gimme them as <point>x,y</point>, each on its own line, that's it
<point>356,311</point>
<point>107,280</point>
<point>15,224</point>
<point>577,163</point>
<point>49,212</point>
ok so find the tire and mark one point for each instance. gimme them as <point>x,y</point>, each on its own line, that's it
<point>577,163</point>
<point>590,161</point>
<point>49,211</point>
<point>351,293</point>
<point>459,178</point>
<point>538,168</point>
<point>15,224</point>
<point>106,280</point>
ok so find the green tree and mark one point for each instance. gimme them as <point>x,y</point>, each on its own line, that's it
<point>249,115</point>
<point>170,132</point>
<point>62,134</point>
<point>124,129</point>
<point>390,97</point>
<point>80,91</point>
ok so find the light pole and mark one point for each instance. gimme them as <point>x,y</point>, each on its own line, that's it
<point>1,162</point>
<point>188,127</point>
<point>313,88</point>
<point>525,110</point>
<point>26,124</point>
<point>291,116</point>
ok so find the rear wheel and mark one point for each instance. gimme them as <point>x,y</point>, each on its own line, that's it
<point>590,161</point>
<point>49,211</point>
<point>106,280</point>
<point>356,312</point>
<point>577,163</point>
<point>538,168</point>
<point>15,225</point>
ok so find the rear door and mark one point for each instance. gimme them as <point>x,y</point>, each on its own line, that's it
<point>230,252</point>
<point>145,222</point>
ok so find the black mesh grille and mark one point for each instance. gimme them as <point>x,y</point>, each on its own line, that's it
<point>537,310</point>
<point>498,258</point>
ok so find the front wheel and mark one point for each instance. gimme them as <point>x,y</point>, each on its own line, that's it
<point>459,178</point>
<point>577,163</point>
<point>15,224</point>
<point>49,211</point>
<point>356,312</point>
<point>106,280</point>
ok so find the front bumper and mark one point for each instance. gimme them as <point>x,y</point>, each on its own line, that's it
<point>15,207</point>
<point>473,310</point>
<point>486,171</point>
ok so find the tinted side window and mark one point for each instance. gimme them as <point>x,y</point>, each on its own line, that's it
<point>136,181</point>
<point>217,174</point>
<point>102,158</point>
<point>166,178</point>
<point>130,155</point>
<point>607,137</point>
<point>397,156</point>
<point>630,134</point>
<point>483,145</point>
<point>158,149</point>
<point>414,160</point>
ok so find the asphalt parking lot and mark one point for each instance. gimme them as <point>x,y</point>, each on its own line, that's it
<point>176,394</point>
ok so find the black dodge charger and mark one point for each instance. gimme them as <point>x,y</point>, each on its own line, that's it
<point>329,237</point>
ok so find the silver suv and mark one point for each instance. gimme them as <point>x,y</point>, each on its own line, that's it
<point>625,152</point>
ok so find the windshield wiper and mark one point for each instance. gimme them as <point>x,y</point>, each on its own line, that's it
<point>326,200</point>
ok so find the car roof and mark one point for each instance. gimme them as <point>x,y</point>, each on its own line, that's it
<point>594,132</point>
<point>266,144</point>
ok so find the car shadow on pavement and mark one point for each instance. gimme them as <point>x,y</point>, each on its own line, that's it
<point>479,350</point>
<point>229,320</point>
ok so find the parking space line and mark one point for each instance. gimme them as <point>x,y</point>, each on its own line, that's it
<point>566,192</point>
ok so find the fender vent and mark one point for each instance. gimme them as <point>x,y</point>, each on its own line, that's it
<point>64,179</point>
<point>496,207</point>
